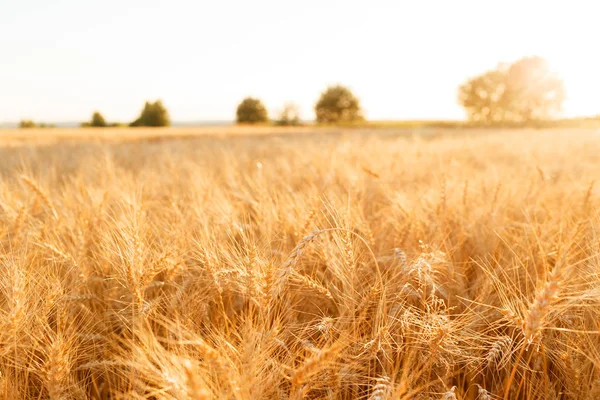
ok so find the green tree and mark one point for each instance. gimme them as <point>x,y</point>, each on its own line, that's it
<point>289,115</point>
<point>522,92</point>
<point>153,114</point>
<point>98,120</point>
<point>251,111</point>
<point>338,104</point>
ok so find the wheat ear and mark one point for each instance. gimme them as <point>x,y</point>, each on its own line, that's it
<point>382,389</point>
<point>287,268</point>
<point>498,348</point>
<point>313,365</point>
<point>41,194</point>
<point>534,320</point>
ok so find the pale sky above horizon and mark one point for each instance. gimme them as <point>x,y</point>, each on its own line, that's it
<point>62,60</point>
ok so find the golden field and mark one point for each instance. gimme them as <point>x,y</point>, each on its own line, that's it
<point>192,263</point>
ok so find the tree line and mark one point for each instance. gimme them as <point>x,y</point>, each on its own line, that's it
<point>337,104</point>
<point>523,92</point>
<point>27,123</point>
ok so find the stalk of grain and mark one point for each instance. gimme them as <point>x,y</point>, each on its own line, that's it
<point>382,389</point>
<point>16,227</point>
<point>214,357</point>
<point>312,284</point>
<point>307,222</point>
<point>207,261</point>
<point>195,389</point>
<point>348,251</point>
<point>253,278</point>
<point>535,318</point>
<point>287,269</point>
<point>267,284</point>
<point>41,194</point>
<point>56,369</point>
<point>60,253</point>
<point>588,195</point>
<point>499,347</point>
<point>300,393</point>
<point>15,295</point>
<point>313,365</point>
<point>450,395</point>
<point>536,315</point>
<point>572,374</point>
<point>483,394</point>
<point>442,204</point>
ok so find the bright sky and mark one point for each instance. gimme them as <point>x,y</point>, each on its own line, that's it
<point>61,60</point>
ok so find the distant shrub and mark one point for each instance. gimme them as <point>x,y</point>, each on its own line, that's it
<point>26,123</point>
<point>338,104</point>
<point>251,111</point>
<point>289,116</point>
<point>154,114</point>
<point>98,120</point>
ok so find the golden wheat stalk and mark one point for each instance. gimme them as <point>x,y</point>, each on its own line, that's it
<point>287,269</point>
<point>498,349</point>
<point>382,389</point>
<point>539,309</point>
<point>312,284</point>
<point>482,393</point>
<point>313,365</point>
<point>41,194</point>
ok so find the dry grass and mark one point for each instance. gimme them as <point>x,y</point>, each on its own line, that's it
<point>53,135</point>
<point>341,266</point>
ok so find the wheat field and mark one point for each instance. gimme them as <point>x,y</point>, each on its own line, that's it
<point>325,265</point>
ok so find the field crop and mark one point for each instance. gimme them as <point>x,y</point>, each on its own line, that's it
<point>324,265</point>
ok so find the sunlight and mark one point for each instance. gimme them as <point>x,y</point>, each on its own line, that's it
<point>580,75</point>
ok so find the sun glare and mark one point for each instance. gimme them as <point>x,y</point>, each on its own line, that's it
<point>580,76</point>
